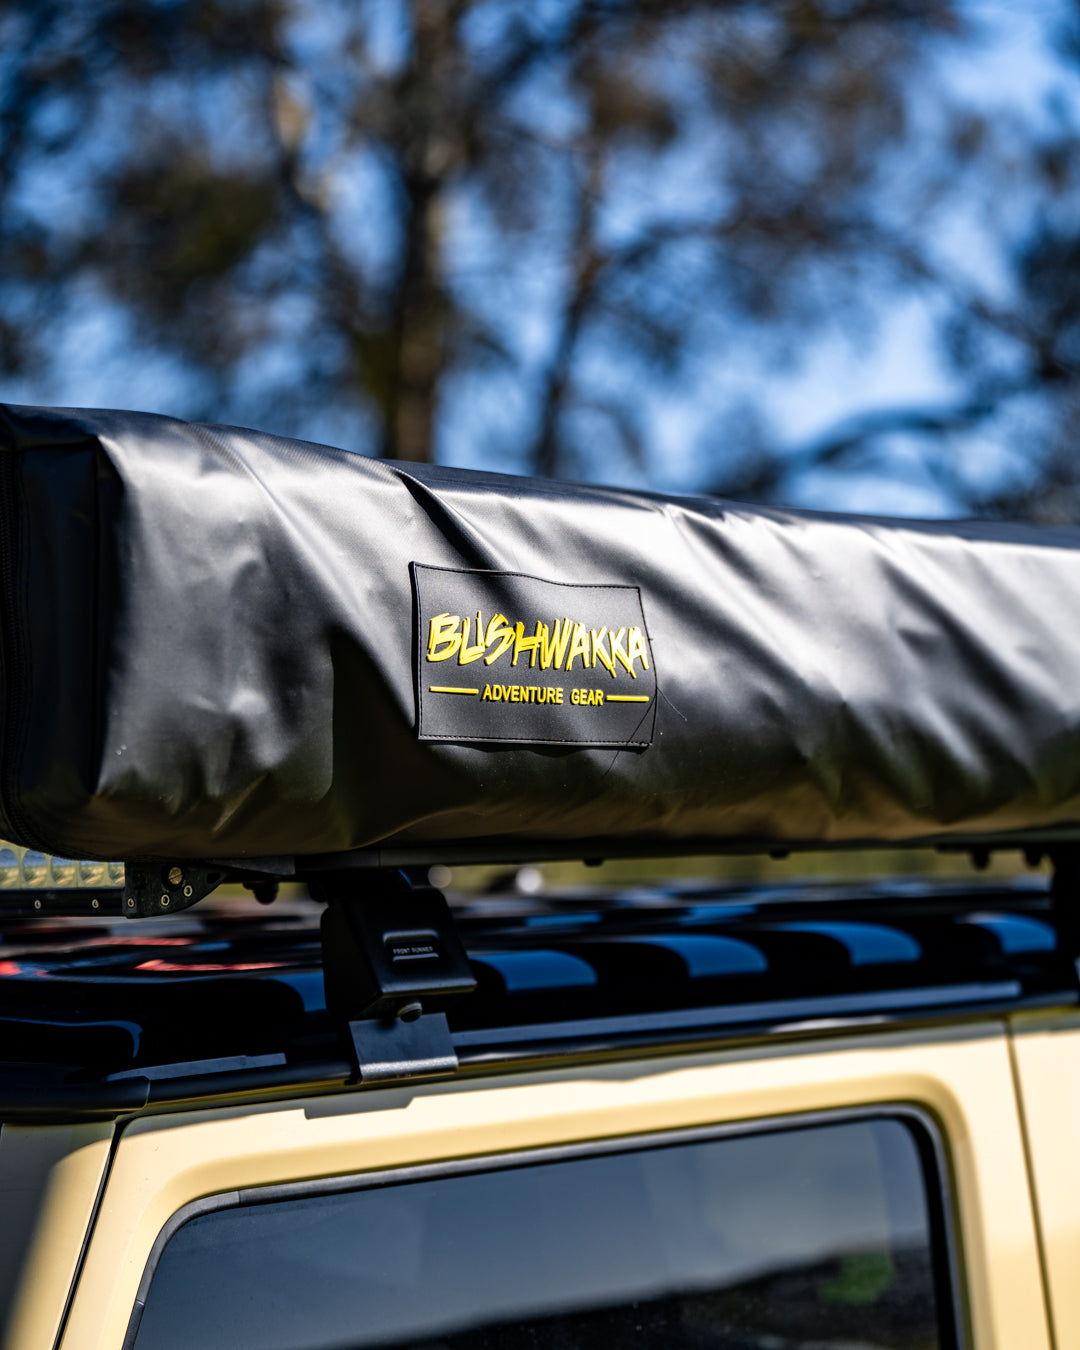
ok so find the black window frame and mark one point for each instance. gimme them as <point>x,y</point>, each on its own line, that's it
<point>925,1130</point>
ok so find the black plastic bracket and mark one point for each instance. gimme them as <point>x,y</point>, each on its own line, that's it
<point>392,963</point>
<point>153,888</point>
<point>390,1048</point>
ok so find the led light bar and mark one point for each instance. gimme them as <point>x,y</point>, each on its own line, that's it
<point>25,869</point>
<point>41,885</point>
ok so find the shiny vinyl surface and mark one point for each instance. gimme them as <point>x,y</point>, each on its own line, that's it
<point>210,644</point>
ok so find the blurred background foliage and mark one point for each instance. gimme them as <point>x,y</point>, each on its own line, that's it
<point>819,251</point>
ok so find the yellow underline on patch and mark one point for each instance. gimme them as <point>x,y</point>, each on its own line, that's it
<point>626,698</point>
<point>449,689</point>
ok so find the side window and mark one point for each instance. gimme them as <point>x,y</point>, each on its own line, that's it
<point>815,1237</point>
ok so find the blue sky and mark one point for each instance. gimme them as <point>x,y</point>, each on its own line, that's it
<point>1009,72</point>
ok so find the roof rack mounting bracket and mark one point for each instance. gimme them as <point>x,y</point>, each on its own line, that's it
<point>152,888</point>
<point>392,962</point>
<point>391,1048</point>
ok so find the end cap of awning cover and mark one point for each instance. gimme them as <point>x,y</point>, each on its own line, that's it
<point>223,644</point>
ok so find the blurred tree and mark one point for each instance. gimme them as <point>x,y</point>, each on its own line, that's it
<point>539,226</point>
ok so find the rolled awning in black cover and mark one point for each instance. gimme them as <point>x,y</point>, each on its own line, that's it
<point>223,644</point>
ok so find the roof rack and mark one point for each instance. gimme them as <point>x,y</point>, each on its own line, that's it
<point>112,1019</point>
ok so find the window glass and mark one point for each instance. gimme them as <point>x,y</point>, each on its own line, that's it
<point>814,1238</point>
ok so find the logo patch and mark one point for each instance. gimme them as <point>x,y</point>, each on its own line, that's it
<point>509,658</point>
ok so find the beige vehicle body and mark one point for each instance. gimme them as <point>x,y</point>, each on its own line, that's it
<point>84,1204</point>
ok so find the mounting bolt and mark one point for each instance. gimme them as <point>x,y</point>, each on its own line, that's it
<point>37,904</point>
<point>410,1012</point>
<point>95,904</point>
<point>176,876</point>
<point>165,902</point>
<point>131,903</point>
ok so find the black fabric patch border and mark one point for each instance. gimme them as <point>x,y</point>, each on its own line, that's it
<point>556,663</point>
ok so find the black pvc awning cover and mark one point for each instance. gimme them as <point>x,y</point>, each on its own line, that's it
<point>218,643</point>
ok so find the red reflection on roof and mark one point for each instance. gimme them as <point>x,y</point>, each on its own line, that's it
<point>192,966</point>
